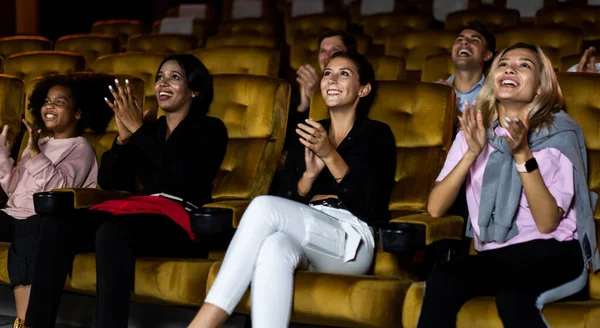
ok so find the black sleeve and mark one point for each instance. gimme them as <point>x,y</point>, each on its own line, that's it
<point>367,187</point>
<point>116,169</point>
<point>292,172</point>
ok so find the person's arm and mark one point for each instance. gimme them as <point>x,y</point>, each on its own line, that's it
<point>293,184</point>
<point>70,172</point>
<point>9,174</point>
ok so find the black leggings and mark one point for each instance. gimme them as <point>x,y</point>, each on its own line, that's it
<point>117,240</point>
<point>516,275</point>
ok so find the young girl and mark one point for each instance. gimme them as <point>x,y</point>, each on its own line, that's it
<point>179,154</point>
<point>64,107</point>
<point>338,181</point>
<point>525,165</point>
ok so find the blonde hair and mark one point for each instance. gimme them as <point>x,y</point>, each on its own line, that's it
<point>541,108</point>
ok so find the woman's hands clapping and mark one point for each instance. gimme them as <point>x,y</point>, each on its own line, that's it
<point>317,146</point>
<point>33,146</point>
<point>471,123</point>
<point>128,111</point>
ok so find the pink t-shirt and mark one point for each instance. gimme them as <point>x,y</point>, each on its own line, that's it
<point>557,173</point>
<point>62,163</point>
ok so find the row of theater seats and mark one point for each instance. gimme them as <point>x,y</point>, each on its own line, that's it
<point>421,117</point>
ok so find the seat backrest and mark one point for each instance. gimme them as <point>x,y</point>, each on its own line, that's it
<point>241,39</point>
<point>568,62</point>
<point>312,25</point>
<point>162,43</point>
<point>240,60</point>
<point>16,44</point>
<point>12,104</point>
<point>421,117</point>
<point>91,46</point>
<point>585,18</point>
<point>255,26</point>
<point>181,26</point>
<point>122,28</point>
<point>437,67</point>
<point>101,142</point>
<point>30,65</point>
<point>305,49</point>
<point>143,65</point>
<point>388,68</point>
<point>582,103</point>
<point>493,18</point>
<point>254,109</point>
<point>557,42</point>
<point>381,25</point>
<point>415,46</point>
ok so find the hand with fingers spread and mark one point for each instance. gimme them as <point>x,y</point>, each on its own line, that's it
<point>34,136</point>
<point>587,63</point>
<point>309,84</point>
<point>471,123</point>
<point>4,137</point>
<point>518,141</point>
<point>129,114</point>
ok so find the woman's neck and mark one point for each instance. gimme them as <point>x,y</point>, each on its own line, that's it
<point>341,124</point>
<point>174,118</point>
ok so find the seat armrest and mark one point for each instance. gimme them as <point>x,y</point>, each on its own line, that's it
<point>64,200</point>
<point>419,230</point>
<point>207,221</point>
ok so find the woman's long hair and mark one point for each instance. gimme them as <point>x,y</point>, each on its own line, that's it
<point>543,105</point>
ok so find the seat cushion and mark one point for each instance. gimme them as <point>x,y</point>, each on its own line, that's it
<point>340,300</point>
<point>481,312</point>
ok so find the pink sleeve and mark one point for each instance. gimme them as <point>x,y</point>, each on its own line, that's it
<point>71,171</point>
<point>455,154</point>
<point>561,186</point>
<point>9,174</point>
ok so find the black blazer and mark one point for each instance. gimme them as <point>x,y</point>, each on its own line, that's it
<point>184,165</point>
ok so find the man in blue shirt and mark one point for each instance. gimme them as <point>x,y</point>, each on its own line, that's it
<point>472,51</point>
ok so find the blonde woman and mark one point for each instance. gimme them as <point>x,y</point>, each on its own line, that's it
<point>525,166</point>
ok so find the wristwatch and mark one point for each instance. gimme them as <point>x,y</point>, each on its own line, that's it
<point>529,166</point>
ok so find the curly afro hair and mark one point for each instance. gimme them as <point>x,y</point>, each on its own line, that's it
<point>87,89</point>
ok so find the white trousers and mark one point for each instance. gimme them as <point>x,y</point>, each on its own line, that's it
<point>274,237</point>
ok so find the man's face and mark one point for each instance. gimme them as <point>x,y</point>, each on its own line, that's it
<point>470,50</point>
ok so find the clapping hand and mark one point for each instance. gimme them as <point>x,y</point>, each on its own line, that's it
<point>587,63</point>
<point>309,84</point>
<point>34,136</point>
<point>471,123</point>
<point>128,111</point>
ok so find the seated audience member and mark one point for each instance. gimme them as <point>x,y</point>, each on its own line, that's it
<point>179,154</point>
<point>473,49</point>
<point>64,108</point>
<point>338,181</point>
<point>531,212</point>
<point>587,63</point>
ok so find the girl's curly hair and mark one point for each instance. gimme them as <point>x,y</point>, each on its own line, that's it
<point>87,89</point>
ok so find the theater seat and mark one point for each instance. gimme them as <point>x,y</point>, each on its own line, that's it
<point>245,39</point>
<point>122,28</point>
<point>557,42</point>
<point>415,46</point>
<point>12,105</point>
<point>568,62</point>
<point>21,43</point>
<point>240,60</point>
<point>379,26</point>
<point>182,26</point>
<point>437,67</point>
<point>494,19</point>
<point>585,18</point>
<point>255,26</point>
<point>312,25</point>
<point>29,65</point>
<point>582,99</point>
<point>388,68</point>
<point>421,117</point>
<point>143,65</point>
<point>91,46</point>
<point>305,49</point>
<point>162,43</point>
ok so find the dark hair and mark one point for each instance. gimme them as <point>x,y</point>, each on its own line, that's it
<point>490,39</point>
<point>366,74</point>
<point>198,80</point>
<point>348,40</point>
<point>88,92</point>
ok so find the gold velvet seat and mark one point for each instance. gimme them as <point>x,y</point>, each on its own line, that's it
<point>122,28</point>
<point>582,104</point>
<point>12,105</point>
<point>162,43</point>
<point>305,49</point>
<point>30,65</point>
<point>143,65</point>
<point>22,43</point>
<point>415,46</point>
<point>493,18</point>
<point>568,62</point>
<point>556,41</point>
<point>388,68</point>
<point>437,67</point>
<point>254,26</point>
<point>91,46</point>
<point>380,26</point>
<point>246,39</point>
<point>240,60</point>
<point>312,25</point>
<point>585,18</point>
<point>420,115</point>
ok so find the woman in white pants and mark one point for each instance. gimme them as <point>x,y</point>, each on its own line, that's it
<point>336,183</point>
